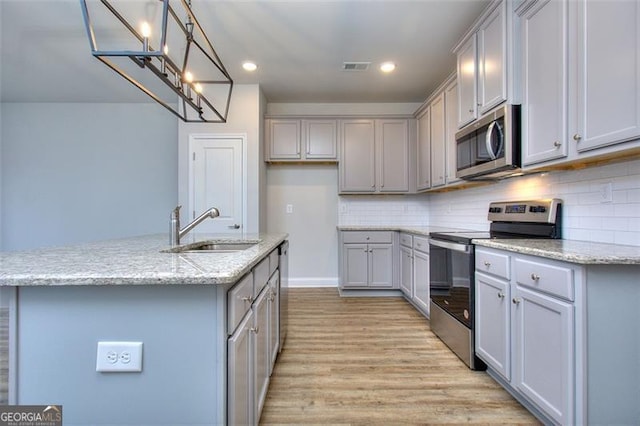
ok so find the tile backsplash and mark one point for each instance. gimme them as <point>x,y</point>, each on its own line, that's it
<point>600,204</point>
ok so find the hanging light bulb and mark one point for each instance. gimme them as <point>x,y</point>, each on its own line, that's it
<point>145,30</point>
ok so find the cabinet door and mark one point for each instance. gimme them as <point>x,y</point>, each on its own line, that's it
<point>544,353</point>
<point>421,281</point>
<point>544,107</point>
<point>437,141</point>
<point>424,150</point>
<point>262,364</point>
<point>381,265</point>
<point>284,139</point>
<point>493,323</point>
<point>357,156</point>
<point>406,271</point>
<point>393,165</point>
<point>274,319</point>
<point>240,402</point>
<point>320,139</point>
<point>608,66</point>
<point>492,48</point>
<point>355,268</point>
<point>451,120</point>
<point>467,98</point>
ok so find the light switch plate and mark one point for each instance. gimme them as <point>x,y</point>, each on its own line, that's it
<point>114,357</point>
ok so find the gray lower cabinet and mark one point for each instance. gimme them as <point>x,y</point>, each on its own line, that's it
<point>414,270</point>
<point>366,260</point>
<point>562,337</point>
<point>253,343</point>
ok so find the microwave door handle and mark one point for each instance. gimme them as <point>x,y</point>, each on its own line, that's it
<point>494,124</point>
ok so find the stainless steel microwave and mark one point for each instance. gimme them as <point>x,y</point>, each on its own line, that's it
<point>490,147</point>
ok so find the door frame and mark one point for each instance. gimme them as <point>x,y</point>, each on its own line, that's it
<point>193,139</point>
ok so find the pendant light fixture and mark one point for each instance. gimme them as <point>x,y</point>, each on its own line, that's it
<point>159,47</point>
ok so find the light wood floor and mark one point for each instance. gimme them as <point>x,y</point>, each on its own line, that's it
<point>363,361</point>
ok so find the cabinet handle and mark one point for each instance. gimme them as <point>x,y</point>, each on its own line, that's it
<point>247,299</point>
<point>535,277</point>
<point>557,144</point>
<point>236,226</point>
<point>577,137</point>
<point>516,300</point>
<point>500,295</point>
<point>487,263</point>
<point>255,330</point>
<point>471,111</point>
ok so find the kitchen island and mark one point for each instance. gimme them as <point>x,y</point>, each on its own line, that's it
<point>63,301</point>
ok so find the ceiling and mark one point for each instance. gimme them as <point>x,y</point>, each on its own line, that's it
<point>298,45</point>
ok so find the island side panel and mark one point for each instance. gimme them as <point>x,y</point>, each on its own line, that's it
<point>183,347</point>
<point>613,341</point>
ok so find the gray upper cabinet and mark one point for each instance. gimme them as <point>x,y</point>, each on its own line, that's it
<point>374,156</point>
<point>423,172</point>
<point>301,140</point>
<point>607,93</point>
<point>483,64</point>
<point>545,70</point>
<point>580,80</point>
<point>438,141</point>
<point>451,123</point>
<point>467,82</point>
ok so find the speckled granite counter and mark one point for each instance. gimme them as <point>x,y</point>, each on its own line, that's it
<point>582,252</point>
<point>418,230</point>
<point>133,261</point>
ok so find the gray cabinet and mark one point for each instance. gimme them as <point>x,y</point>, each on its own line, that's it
<point>366,260</point>
<point>451,127</point>
<point>525,328</point>
<point>240,401</point>
<point>374,156</point>
<point>301,140</point>
<point>406,265</point>
<point>467,81</point>
<point>544,79</point>
<point>423,172</point>
<point>577,106</point>
<point>438,141</point>
<point>253,309</point>
<point>414,270</point>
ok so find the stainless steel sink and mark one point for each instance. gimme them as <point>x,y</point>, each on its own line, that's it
<point>219,247</point>
<point>214,247</point>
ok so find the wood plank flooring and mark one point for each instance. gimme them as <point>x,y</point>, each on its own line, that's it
<point>362,361</point>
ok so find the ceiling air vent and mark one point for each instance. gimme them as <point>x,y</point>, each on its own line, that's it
<point>355,66</point>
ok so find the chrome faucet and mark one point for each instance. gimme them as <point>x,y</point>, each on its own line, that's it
<point>177,233</point>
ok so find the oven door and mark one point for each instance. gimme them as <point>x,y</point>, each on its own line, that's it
<point>451,279</point>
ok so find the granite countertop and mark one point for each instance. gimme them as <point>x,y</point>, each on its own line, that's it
<point>412,229</point>
<point>582,252</point>
<point>133,261</point>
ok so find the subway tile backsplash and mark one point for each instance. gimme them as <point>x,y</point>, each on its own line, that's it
<point>600,204</point>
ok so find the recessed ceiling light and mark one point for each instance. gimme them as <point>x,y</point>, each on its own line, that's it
<point>387,66</point>
<point>249,66</point>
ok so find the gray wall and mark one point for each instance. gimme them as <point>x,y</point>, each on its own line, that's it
<point>79,172</point>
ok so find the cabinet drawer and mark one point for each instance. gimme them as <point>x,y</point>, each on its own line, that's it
<point>551,279</point>
<point>274,260</point>
<point>239,300</point>
<point>367,237</point>
<point>406,239</point>
<point>493,263</point>
<point>260,276</point>
<point>421,244</point>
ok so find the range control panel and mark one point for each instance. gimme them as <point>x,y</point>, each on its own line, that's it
<point>539,211</point>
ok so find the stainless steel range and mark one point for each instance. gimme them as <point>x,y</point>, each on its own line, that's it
<point>452,263</point>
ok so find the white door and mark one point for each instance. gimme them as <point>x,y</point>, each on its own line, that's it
<point>216,179</point>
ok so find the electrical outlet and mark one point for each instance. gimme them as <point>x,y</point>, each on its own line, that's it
<point>289,208</point>
<point>115,357</point>
<point>606,193</point>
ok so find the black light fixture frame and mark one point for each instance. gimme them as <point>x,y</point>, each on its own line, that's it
<point>150,59</point>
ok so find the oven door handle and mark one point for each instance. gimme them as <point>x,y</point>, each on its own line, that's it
<point>463,248</point>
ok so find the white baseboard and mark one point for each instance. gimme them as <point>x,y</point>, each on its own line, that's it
<point>312,282</point>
